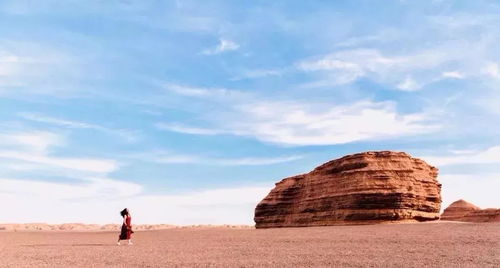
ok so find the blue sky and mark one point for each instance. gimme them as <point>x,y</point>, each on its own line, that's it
<point>189,111</point>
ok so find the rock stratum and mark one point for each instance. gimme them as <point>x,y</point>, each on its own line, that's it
<point>462,210</point>
<point>362,188</point>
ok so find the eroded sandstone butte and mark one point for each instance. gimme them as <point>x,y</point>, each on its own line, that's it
<point>362,188</point>
<point>462,210</point>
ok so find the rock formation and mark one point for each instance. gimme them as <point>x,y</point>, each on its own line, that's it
<point>462,210</point>
<point>361,188</point>
<point>457,210</point>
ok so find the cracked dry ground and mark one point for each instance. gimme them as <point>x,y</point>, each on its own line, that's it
<point>439,244</point>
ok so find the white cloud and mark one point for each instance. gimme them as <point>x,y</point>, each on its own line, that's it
<point>412,69</point>
<point>126,134</point>
<point>216,206</point>
<point>223,46</point>
<point>385,35</point>
<point>408,85</point>
<point>174,158</point>
<point>488,156</point>
<point>189,130</point>
<point>32,148</point>
<point>346,66</point>
<point>100,200</point>
<point>294,123</point>
<point>79,164</point>
<point>28,69</point>
<point>191,91</point>
<point>37,141</point>
<point>300,123</point>
<point>256,161</point>
<point>312,124</point>
<point>9,64</point>
<point>453,74</point>
<point>248,161</point>
<point>200,92</point>
<point>88,188</point>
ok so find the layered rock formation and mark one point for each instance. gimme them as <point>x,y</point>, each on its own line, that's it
<point>462,210</point>
<point>361,188</point>
<point>457,210</point>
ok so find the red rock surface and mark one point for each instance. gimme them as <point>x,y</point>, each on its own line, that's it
<point>462,210</point>
<point>361,188</point>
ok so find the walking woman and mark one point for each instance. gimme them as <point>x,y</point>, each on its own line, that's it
<point>126,231</point>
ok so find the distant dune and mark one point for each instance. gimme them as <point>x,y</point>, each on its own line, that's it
<point>105,227</point>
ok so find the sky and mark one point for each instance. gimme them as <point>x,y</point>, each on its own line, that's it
<point>188,112</point>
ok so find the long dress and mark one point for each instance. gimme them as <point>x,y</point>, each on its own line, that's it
<point>126,231</point>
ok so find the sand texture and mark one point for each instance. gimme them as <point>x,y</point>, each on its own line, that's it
<point>433,244</point>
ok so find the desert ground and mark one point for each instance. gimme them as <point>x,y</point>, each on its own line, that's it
<point>440,244</point>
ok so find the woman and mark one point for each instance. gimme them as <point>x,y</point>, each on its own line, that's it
<point>126,231</point>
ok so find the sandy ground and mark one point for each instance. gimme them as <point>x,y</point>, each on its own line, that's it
<point>391,245</point>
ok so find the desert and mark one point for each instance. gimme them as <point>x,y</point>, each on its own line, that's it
<point>371,209</point>
<point>430,244</point>
<point>268,133</point>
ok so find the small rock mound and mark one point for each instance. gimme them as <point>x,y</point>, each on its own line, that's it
<point>462,210</point>
<point>361,188</point>
<point>458,210</point>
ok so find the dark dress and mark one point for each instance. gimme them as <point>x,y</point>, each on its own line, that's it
<point>126,231</point>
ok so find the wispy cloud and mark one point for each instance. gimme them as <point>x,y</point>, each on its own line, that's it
<point>104,198</point>
<point>296,123</point>
<point>37,141</point>
<point>196,91</point>
<point>346,66</point>
<point>8,64</point>
<point>175,127</point>
<point>176,158</point>
<point>223,46</point>
<point>89,188</point>
<point>127,134</point>
<point>79,164</point>
<point>252,74</point>
<point>256,161</point>
<point>28,68</point>
<point>413,68</point>
<point>33,148</point>
<point>409,84</point>
<point>488,156</point>
<point>453,74</point>
<point>316,124</point>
